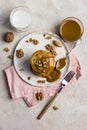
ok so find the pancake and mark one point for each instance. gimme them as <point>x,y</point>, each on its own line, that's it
<point>42,63</point>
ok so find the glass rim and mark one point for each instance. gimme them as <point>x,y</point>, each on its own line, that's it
<point>78,21</point>
<point>12,13</point>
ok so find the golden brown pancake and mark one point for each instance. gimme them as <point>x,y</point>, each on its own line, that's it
<point>42,62</point>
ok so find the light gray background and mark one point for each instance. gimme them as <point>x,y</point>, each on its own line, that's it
<point>72,113</point>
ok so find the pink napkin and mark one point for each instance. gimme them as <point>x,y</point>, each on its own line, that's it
<point>20,89</point>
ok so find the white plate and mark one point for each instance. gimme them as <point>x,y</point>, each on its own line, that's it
<point>29,49</point>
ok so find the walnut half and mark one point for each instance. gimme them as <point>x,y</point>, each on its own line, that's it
<point>10,56</point>
<point>39,96</point>
<point>9,37</point>
<point>56,43</point>
<point>55,108</point>
<point>19,53</point>
<point>6,49</point>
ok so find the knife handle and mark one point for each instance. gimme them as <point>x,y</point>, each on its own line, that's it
<point>46,107</point>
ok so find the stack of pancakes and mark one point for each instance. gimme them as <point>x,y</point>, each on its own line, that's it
<point>42,63</point>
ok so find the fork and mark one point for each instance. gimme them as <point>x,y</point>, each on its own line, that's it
<point>65,81</point>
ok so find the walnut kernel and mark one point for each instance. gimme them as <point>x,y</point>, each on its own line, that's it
<point>19,53</point>
<point>54,52</point>
<point>35,41</point>
<point>48,37</point>
<point>10,56</point>
<point>29,40</point>
<point>9,37</point>
<point>49,47</point>
<point>39,96</point>
<point>41,81</point>
<point>6,49</point>
<point>56,43</point>
<point>55,107</point>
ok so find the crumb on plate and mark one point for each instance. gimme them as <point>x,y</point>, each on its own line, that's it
<point>41,81</point>
<point>44,35</point>
<point>28,77</point>
<point>21,69</point>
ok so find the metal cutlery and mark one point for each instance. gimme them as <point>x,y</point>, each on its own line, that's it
<point>65,81</point>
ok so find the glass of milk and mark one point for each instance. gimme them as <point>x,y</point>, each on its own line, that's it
<point>20,18</point>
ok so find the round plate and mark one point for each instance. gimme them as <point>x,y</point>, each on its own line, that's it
<point>22,65</point>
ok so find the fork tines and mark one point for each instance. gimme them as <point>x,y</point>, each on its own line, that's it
<point>69,76</point>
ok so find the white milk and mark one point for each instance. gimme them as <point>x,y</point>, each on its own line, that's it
<point>20,18</point>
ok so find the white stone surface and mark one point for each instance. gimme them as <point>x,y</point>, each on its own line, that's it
<point>72,113</point>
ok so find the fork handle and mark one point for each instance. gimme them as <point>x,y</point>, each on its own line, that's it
<point>46,107</point>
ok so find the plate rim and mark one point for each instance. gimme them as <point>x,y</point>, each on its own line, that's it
<point>52,83</point>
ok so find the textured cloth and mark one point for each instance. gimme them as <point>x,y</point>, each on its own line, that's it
<point>20,89</point>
